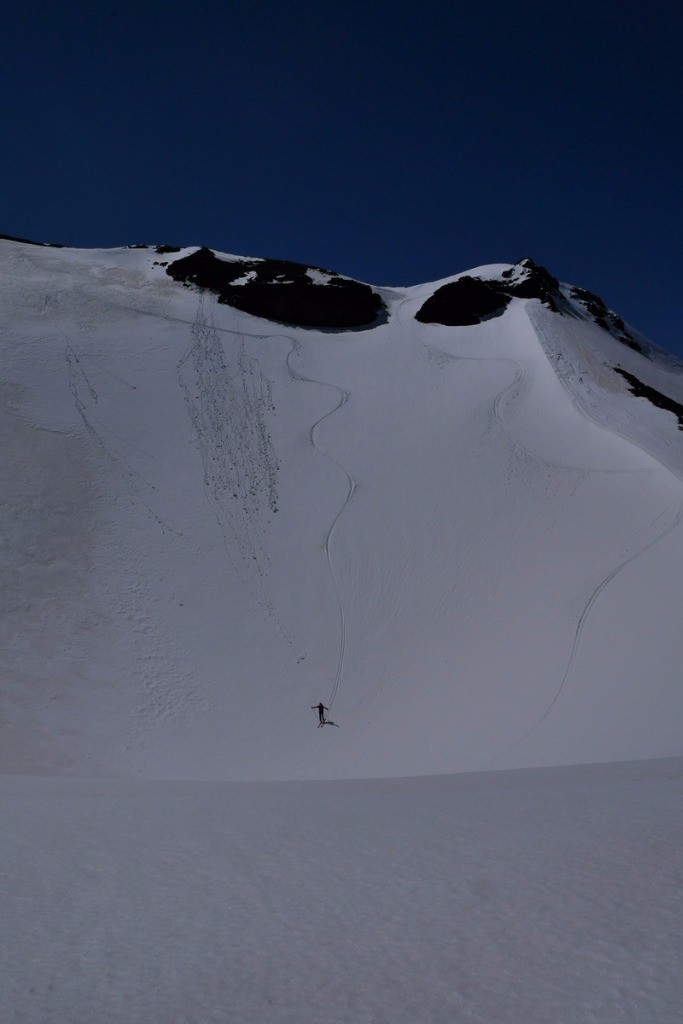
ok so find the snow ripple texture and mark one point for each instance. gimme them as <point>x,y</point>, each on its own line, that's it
<point>229,400</point>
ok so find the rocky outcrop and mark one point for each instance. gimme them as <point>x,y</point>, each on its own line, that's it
<point>604,317</point>
<point>659,400</point>
<point>287,293</point>
<point>470,300</point>
<point>462,303</point>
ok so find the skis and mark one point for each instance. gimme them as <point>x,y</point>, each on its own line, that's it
<point>321,724</point>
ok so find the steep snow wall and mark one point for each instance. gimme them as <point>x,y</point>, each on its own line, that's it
<point>464,540</point>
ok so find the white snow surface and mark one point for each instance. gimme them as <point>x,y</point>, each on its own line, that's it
<point>465,541</point>
<point>529,897</point>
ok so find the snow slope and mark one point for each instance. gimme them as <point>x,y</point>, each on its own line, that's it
<point>500,898</point>
<point>465,540</point>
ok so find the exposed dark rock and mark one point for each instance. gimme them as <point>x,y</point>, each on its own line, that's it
<point>29,241</point>
<point>282,291</point>
<point>163,249</point>
<point>529,280</point>
<point>138,245</point>
<point>641,390</point>
<point>462,303</point>
<point>605,318</point>
<point>469,300</point>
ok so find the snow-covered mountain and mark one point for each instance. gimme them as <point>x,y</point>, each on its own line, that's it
<point>233,488</point>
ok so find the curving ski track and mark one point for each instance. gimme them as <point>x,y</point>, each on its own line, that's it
<point>678,517</point>
<point>343,399</point>
<point>85,399</point>
<point>508,392</point>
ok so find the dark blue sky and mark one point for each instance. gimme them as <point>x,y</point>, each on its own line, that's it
<point>395,142</point>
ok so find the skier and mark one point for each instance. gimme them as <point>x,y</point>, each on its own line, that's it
<point>321,709</point>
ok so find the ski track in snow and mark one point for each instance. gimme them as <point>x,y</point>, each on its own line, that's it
<point>164,696</point>
<point>85,397</point>
<point>205,344</point>
<point>512,391</point>
<point>344,396</point>
<point>515,389</point>
<point>343,399</point>
<point>582,622</point>
<point>228,400</point>
<point>595,594</point>
<point>583,617</point>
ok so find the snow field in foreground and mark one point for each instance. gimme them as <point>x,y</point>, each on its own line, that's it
<point>538,897</point>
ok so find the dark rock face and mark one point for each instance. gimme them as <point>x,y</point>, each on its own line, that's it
<point>661,401</point>
<point>605,318</point>
<point>462,303</point>
<point>282,291</point>
<point>469,300</point>
<point>166,248</point>
<point>529,280</point>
